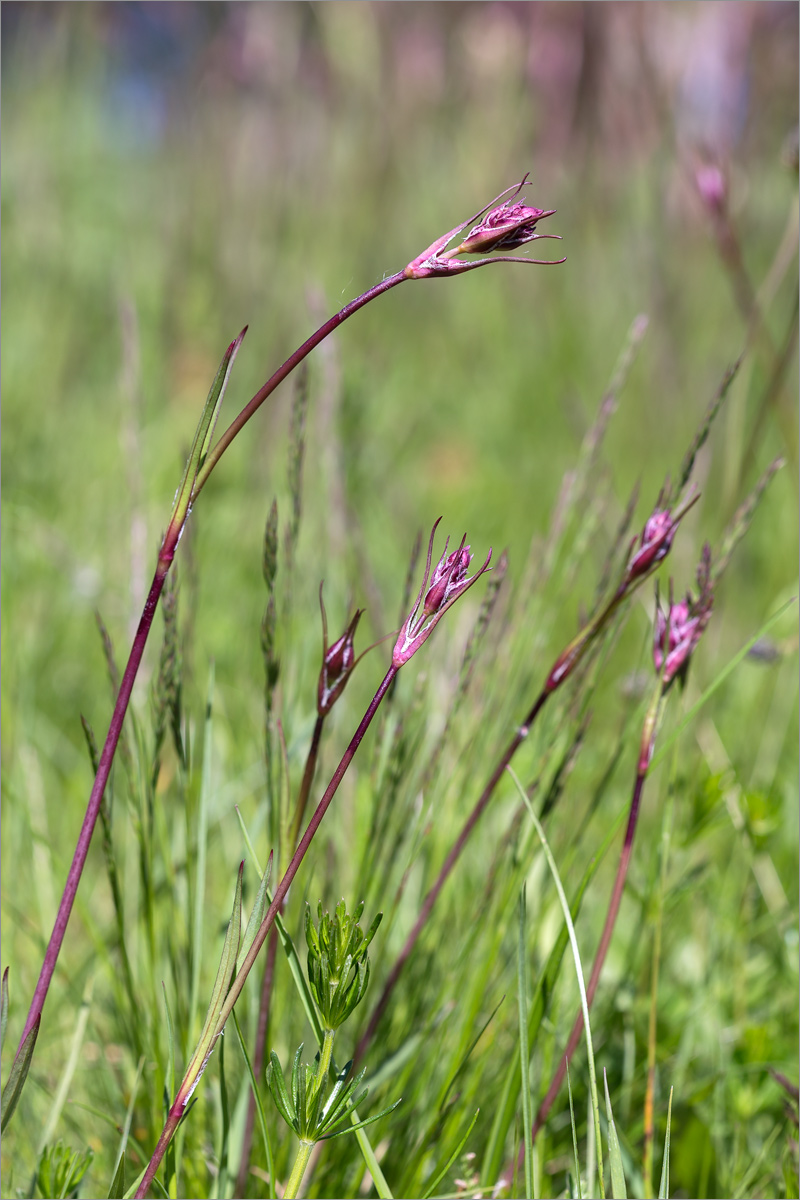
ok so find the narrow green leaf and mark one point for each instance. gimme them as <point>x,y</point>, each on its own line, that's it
<point>205,431</point>
<point>551,862</point>
<point>362,1124</point>
<point>19,1073</point>
<point>618,1188</point>
<point>257,915</point>
<point>462,1065</point>
<point>504,1112</point>
<point>200,855</point>
<point>663,1190</point>
<point>170,1080</point>
<point>64,1082</point>
<point>368,1154</point>
<point>574,1137</point>
<point>227,965</point>
<point>522,995</point>
<point>117,1189</point>
<point>262,1120</point>
<point>3,1008</point>
<point>440,1176</point>
<point>277,1086</point>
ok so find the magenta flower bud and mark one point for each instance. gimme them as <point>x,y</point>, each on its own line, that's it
<point>448,582</point>
<point>338,661</point>
<point>506,227</point>
<point>656,539</point>
<point>677,633</point>
<point>448,573</point>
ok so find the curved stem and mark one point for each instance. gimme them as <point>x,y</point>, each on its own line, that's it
<point>447,867</point>
<point>292,361</point>
<point>96,796</point>
<point>171,539</point>
<point>188,1084</point>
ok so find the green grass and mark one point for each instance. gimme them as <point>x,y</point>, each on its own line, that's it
<point>271,206</point>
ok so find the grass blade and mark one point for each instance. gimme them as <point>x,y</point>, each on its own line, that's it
<point>551,862</point>
<point>663,1188</point>
<point>262,1121</point>
<point>618,1188</point>
<point>19,1073</point>
<point>574,1137</point>
<point>522,994</point>
<point>437,1180</point>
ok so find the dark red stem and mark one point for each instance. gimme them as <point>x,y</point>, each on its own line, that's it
<point>449,863</point>
<point>98,788</point>
<point>137,650</point>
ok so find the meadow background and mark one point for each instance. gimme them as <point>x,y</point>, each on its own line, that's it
<point>172,172</point>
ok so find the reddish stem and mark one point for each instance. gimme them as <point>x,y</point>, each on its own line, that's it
<point>140,640</point>
<point>98,788</point>
<point>449,863</point>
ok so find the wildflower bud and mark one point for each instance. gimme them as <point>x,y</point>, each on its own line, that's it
<point>677,633</point>
<point>448,582</point>
<point>338,661</point>
<point>506,227</point>
<point>656,539</point>
<point>448,572</point>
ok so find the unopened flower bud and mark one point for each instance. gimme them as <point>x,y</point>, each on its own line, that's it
<point>448,582</point>
<point>678,631</point>
<point>505,227</point>
<point>338,661</point>
<point>656,539</point>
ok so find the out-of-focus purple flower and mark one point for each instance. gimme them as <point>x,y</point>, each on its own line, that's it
<point>656,539</point>
<point>678,631</point>
<point>505,227</point>
<point>448,582</point>
<point>338,661</point>
<point>712,186</point>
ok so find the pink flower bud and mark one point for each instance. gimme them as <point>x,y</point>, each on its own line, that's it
<point>506,227</point>
<point>677,633</point>
<point>448,582</point>
<point>338,661</point>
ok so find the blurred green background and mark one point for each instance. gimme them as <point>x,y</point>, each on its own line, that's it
<point>173,172</point>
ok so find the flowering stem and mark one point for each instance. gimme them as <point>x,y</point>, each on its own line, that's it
<point>292,361</point>
<point>308,778</point>
<point>140,640</point>
<point>190,1082</point>
<point>96,797</point>
<point>562,669</point>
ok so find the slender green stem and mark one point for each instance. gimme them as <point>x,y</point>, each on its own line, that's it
<point>325,1055</point>
<point>298,1170</point>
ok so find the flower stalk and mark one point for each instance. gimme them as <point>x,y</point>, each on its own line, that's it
<point>433,611</point>
<point>203,459</point>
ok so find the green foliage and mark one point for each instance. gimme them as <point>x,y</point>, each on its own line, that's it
<point>299,153</point>
<point>338,964</point>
